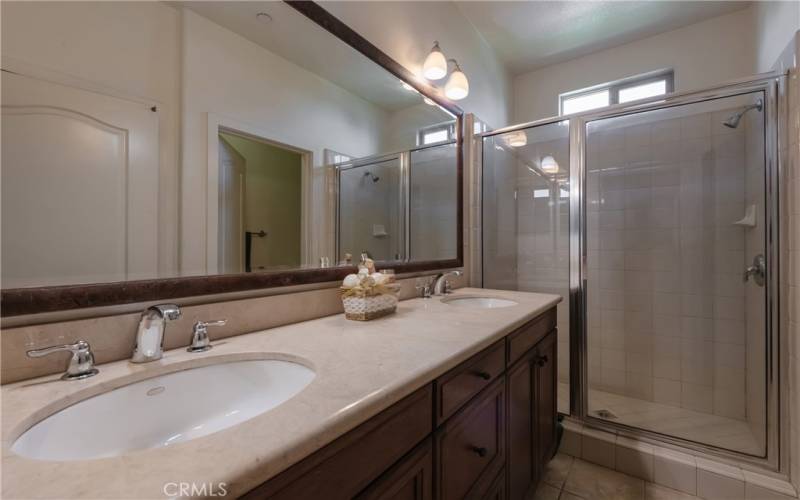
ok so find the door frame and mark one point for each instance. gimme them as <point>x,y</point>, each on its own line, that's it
<point>218,124</point>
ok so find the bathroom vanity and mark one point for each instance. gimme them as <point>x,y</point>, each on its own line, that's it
<point>484,429</point>
<point>444,399</point>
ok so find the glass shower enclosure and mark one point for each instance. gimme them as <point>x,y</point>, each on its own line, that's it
<point>657,221</point>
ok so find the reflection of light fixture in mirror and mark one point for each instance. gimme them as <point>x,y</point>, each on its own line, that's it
<point>435,66</point>
<point>408,87</point>
<point>457,86</point>
<point>549,165</point>
<point>517,139</point>
<point>263,17</point>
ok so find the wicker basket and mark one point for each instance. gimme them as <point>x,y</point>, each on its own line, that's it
<point>367,307</point>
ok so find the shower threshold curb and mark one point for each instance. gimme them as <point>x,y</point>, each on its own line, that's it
<point>681,469</point>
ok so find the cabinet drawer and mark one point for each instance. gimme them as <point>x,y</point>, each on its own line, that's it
<point>470,447</point>
<point>463,382</point>
<point>522,340</point>
<point>348,465</point>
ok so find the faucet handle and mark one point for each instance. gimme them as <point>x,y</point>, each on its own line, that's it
<point>81,364</point>
<point>200,342</point>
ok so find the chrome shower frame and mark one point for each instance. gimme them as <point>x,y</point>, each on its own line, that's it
<point>771,86</point>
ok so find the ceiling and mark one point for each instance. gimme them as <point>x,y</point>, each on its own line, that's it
<point>294,37</point>
<point>530,35</point>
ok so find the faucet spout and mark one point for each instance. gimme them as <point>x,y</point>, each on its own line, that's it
<point>150,333</point>
<point>440,284</point>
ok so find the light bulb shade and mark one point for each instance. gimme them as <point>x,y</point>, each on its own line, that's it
<point>435,66</point>
<point>549,165</point>
<point>457,86</point>
<point>517,139</point>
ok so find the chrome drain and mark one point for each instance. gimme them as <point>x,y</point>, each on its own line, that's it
<point>607,414</point>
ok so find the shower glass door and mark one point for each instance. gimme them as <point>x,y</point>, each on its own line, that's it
<point>526,197</point>
<point>675,297</point>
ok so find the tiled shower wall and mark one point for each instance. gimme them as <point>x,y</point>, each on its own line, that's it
<point>666,298</point>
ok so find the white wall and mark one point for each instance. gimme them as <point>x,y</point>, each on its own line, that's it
<point>225,74</point>
<point>701,54</point>
<point>775,25</point>
<point>406,31</point>
<point>99,46</point>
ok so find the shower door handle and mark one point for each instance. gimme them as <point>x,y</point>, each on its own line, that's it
<point>757,271</point>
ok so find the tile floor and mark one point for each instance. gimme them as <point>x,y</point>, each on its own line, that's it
<point>568,478</point>
<point>696,426</point>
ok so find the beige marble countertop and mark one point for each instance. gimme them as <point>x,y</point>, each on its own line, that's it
<point>361,369</point>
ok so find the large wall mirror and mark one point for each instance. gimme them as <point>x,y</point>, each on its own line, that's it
<point>255,144</point>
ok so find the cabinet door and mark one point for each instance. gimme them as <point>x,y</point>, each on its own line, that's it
<point>471,446</point>
<point>531,416</point>
<point>546,410</point>
<point>498,489</point>
<point>522,467</point>
<point>410,479</point>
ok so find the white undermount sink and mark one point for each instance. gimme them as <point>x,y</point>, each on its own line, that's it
<point>480,302</point>
<point>164,410</point>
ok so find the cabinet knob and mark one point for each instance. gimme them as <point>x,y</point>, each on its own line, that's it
<point>541,360</point>
<point>481,451</point>
<point>483,375</point>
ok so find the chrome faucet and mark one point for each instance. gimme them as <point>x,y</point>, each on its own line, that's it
<point>81,364</point>
<point>150,334</point>
<point>200,342</point>
<point>441,286</point>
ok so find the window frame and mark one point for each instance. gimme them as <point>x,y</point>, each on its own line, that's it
<point>614,87</point>
<point>449,127</point>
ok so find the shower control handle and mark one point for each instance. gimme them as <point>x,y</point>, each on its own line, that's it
<point>757,271</point>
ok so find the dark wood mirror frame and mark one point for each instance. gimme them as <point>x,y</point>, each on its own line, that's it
<point>22,301</point>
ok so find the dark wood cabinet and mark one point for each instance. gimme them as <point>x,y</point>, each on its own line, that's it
<point>410,479</point>
<point>532,416</point>
<point>497,491</point>
<point>470,447</point>
<point>484,430</point>
<point>546,402</point>
<point>345,467</point>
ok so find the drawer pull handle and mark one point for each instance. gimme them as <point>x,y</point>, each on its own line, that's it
<point>480,451</point>
<point>541,360</point>
<point>483,375</point>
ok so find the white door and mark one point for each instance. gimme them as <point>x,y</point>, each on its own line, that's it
<point>79,185</point>
<point>231,209</point>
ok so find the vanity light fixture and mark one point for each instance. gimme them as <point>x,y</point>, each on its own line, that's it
<point>549,165</point>
<point>435,66</point>
<point>457,86</point>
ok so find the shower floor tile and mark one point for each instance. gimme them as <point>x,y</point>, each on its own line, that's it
<point>713,430</point>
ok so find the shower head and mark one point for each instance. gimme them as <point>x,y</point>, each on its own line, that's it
<point>372,176</point>
<point>734,119</point>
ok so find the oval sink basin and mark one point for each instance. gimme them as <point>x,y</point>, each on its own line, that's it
<point>164,410</point>
<point>480,302</point>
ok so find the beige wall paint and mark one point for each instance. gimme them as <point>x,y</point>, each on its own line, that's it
<point>775,25</point>
<point>701,54</point>
<point>99,46</point>
<point>272,202</point>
